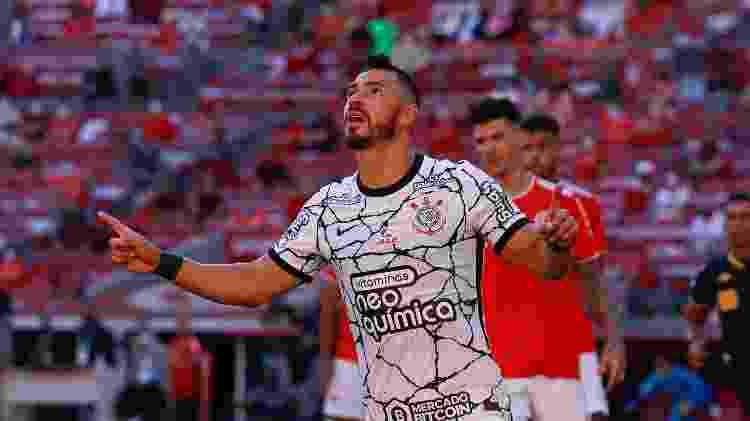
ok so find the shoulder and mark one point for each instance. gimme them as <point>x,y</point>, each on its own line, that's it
<point>590,200</point>
<point>340,192</point>
<point>463,165</point>
<point>544,184</point>
<point>468,173</point>
<point>711,272</point>
<point>569,188</point>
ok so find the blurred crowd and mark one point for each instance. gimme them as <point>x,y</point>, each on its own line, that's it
<point>191,117</point>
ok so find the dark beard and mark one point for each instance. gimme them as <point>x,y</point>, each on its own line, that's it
<point>360,143</point>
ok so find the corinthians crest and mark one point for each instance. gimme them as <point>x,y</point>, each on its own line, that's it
<point>429,219</point>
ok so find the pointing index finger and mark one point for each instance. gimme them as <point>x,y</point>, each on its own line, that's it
<point>118,227</point>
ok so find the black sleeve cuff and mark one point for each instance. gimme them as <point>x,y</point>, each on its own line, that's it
<point>508,234</point>
<point>287,267</point>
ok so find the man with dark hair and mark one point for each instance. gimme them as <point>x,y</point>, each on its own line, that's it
<point>723,286</point>
<point>529,304</point>
<point>406,235</point>
<point>543,155</point>
<point>567,316</point>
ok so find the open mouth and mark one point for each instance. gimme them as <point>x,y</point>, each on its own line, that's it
<point>356,117</point>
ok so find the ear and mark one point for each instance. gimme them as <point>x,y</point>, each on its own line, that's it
<point>408,116</point>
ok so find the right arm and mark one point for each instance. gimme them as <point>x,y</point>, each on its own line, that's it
<point>246,284</point>
<point>291,260</point>
<point>529,247</point>
<point>495,217</point>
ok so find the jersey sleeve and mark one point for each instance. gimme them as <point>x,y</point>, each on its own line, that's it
<point>593,208</point>
<point>490,212</point>
<point>703,288</point>
<point>584,248</point>
<point>298,250</point>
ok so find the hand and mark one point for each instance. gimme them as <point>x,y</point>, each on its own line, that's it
<point>613,363</point>
<point>130,248</point>
<point>558,227</point>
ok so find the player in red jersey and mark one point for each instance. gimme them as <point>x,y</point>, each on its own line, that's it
<point>571,331</point>
<point>542,386</point>
<point>342,399</point>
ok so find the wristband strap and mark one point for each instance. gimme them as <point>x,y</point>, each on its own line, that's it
<point>169,265</point>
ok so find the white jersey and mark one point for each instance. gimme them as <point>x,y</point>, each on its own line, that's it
<point>409,263</point>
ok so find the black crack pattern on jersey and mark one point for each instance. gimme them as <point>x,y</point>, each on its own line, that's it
<point>459,286</point>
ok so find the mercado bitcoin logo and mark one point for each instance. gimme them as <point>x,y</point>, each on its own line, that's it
<point>443,409</point>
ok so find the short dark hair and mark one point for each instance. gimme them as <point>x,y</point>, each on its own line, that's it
<point>490,108</point>
<point>381,62</point>
<point>541,123</point>
<point>739,197</point>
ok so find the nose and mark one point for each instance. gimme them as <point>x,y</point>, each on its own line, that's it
<point>355,98</point>
<point>353,104</point>
<point>482,145</point>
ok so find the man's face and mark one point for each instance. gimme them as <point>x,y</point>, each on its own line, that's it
<point>498,145</point>
<point>541,154</point>
<point>373,105</point>
<point>738,224</point>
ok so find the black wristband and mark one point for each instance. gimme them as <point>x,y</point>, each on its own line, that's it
<point>169,265</point>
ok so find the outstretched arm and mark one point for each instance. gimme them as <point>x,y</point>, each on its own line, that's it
<point>248,284</point>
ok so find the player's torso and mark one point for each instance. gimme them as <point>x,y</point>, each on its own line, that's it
<point>574,331</point>
<point>514,301</point>
<point>407,266</point>
<point>517,301</point>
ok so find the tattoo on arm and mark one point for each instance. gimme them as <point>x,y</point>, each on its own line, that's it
<point>607,311</point>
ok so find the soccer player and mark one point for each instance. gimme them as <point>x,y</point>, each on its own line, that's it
<point>406,234</point>
<point>531,367</point>
<point>542,157</point>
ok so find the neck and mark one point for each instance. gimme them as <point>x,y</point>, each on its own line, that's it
<point>517,182</point>
<point>385,163</point>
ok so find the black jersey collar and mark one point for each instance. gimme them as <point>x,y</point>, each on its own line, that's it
<point>393,188</point>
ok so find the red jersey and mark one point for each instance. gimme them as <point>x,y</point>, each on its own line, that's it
<point>345,348</point>
<point>590,207</point>
<point>519,305</point>
<point>570,330</point>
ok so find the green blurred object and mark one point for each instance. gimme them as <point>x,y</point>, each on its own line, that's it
<point>384,34</point>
